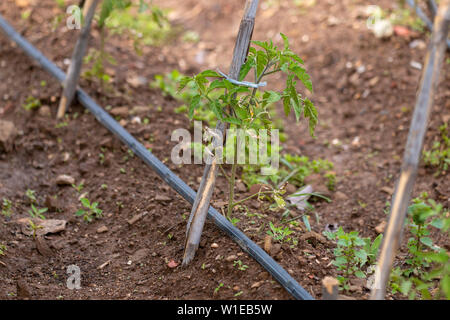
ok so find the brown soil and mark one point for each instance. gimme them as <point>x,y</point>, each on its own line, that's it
<point>134,258</point>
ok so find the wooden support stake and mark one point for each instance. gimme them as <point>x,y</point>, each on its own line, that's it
<point>413,150</point>
<point>203,198</point>
<point>71,81</point>
<point>330,288</point>
<point>432,7</point>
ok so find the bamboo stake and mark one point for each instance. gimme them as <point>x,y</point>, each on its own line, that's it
<point>204,194</point>
<point>413,150</point>
<point>432,7</point>
<point>70,83</point>
<point>330,288</point>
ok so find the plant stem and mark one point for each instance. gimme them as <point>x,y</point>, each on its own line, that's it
<point>252,196</point>
<point>232,182</point>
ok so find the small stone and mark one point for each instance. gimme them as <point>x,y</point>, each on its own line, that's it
<point>162,198</point>
<point>356,289</point>
<point>419,44</point>
<point>416,65</point>
<point>137,81</point>
<point>256,284</point>
<point>65,180</point>
<point>140,255</point>
<point>136,120</point>
<point>7,134</point>
<point>373,82</point>
<point>383,29</point>
<point>313,236</point>
<point>388,190</point>
<point>172,264</point>
<point>214,245</point>
<point>140,110</point>
<point>43,247</point>
<point>340,196</point>
<point>236,288</point>
<point>23,291</point>
<point>120,111</point>
<point>276,248</point>
<point>135,219</point>
<point>102,229</point>
<point>45,112</point>
<point>380,228</point>
<point>241,186</point>
<point>231,258</point>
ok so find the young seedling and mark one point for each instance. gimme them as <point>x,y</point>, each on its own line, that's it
<point>279,233</point>
<point>240,265</point>
<point>2,249</point>
<point>6,207</point>
<point>216,290</point>
<point>426,262</point>
<point>89,211</point>
<point>350,255</point>
<point>244,106</point>
<point>34,227</point>
<point>37,213</point>
<point>30,194</point>
<point>79,187</point>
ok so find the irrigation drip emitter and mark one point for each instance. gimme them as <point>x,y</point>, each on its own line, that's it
<point>281,275</point>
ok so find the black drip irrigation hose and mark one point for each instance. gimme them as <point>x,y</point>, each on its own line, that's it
<point>165,173</point>
<point>424,17</point>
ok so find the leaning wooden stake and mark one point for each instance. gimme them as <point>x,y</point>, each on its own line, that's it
<point>413,151</point>
<point>73,74</point>
<point>330,288</point>
<point>203,198</point>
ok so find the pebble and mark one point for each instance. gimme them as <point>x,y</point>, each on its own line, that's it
<point>7,134</point>
<point>63,180</point>
<point>416,65</point>
<point>45,112</point>
<point>102,229</point>
<point>214,245</point>
<point>380,228</point>
<point>120,111</point>
<point>231,258</point>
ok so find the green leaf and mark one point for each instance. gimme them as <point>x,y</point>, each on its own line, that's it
<point>79,212</point>
<point>285,40</point>
<point>86,202</point>
<point>271,97</point>
<point>245,69</point>
<point>261,62</point>
<point>303,77</point>
<point>306,222</point>
<point>310,112</point>
<point>233,121</point>
<point>215,108</point>
<point>427,241</point>
<point>405,287</point>
<point>183,83</point>
<point>287,105</point>
<point>216,84</point>
<point>195,102</point>
<point>209,73</point>
<point>360,274</point>
<point>376,244</point>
